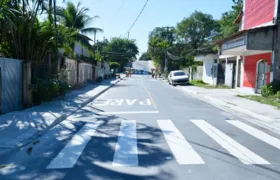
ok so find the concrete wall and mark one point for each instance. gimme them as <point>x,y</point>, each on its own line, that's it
<point>207,72</point>
<point>71,66</point>
<point>260,39</point>
<point>198,73</point>
<point>75,69</point>
<point>85,72</point>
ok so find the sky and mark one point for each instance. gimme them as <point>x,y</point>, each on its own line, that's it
<point>116,16</point>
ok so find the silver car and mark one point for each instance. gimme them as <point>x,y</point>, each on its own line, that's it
<point>178,77</point>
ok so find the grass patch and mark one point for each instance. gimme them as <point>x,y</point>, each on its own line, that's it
<point>271,100</point>
<point>202,84</point>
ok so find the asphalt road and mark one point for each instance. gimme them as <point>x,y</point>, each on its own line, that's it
<point>145,129</point>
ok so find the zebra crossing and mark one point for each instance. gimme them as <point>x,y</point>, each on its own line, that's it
<point>126,151</point>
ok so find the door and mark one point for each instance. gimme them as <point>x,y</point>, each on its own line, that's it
<point>261,75</point>
<point>233,75</point>
<point>221,74</point>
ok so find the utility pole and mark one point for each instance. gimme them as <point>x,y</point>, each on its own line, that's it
<point>170,43</point>
<point>128,35</point>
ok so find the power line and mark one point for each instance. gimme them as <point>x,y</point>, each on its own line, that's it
<point>124,1</point>
<point>137,17</point>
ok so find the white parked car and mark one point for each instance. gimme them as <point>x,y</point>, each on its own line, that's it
<point>178,77</point>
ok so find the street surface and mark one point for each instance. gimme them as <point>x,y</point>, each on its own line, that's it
<point>143,128</point>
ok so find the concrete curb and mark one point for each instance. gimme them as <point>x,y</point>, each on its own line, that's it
<point>258,119</point>
<point>40,133</point>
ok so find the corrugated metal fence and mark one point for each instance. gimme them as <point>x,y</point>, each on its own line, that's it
<point>10,85</point>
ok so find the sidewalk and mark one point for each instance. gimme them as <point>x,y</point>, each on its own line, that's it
<point>21,127</point>
<point>261,114</point>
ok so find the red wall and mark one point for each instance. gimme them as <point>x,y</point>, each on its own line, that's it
<point>258,12</point>
<point>250,68</point>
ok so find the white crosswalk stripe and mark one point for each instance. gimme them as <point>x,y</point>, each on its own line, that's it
<point>72,151</point>
<point>126,149</point>
<point>182,150</point>
<point>234,148</point>
<point>256,133</point>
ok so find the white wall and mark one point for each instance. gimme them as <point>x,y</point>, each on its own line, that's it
<point>207,74</point>
<point>228,74</point>
<point>78,49</point>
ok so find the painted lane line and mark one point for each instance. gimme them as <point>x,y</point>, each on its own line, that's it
<point>182,150</point>
<point>129,112</point>
<point>126,148</point>
<point>234,148</point>
<point>69,155</point>
<point>153,102</point>
<point>256,133</point>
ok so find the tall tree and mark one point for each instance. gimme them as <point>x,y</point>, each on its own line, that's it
<point>227,21</point>
<point>145,56</point>
<point>76,18</point>
<point>121,50</point>
<point>198,29</point>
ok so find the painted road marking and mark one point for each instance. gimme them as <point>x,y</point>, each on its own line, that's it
<point>256,133</point>
<point>128,112</point>
<point>234,148</point>
<point>126,148</point>
<point>69,155</point>
<point>153,102</point>
<point>120,102</point>
<point>182,150</point>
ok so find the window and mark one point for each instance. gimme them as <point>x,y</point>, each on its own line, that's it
<point>179,74</point>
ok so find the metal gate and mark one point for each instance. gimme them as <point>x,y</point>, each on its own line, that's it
<point>261,75</point>
<point>221,74</point>
<point>11,85</point>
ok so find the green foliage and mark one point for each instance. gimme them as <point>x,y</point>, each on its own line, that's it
<point>197,29</point>
<point>114,65</point>
<point>227,26</point>
<point>277,95</point>
<point>145,56</point>
<point>75,18</point>
<point>267,90</point>
<point>121,50</point>
<point>99,79</point>
<point>271,100</point>
<point>49,89</point>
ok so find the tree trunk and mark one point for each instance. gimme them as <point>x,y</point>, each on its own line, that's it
<point>27,91</point>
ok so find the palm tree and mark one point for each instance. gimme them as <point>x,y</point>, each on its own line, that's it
<point>76,18</point>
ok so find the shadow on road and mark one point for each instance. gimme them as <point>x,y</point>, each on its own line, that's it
<point>96,160</point>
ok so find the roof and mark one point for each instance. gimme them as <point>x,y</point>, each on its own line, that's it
<point>238,34</point>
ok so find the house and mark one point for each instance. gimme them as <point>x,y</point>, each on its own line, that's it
<point>254,45</point>
<point>250,58</point>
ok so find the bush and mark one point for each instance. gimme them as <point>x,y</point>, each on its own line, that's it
<point>277,95</point>
<point>99,79</point>
<point>64,87</point>
<point>267,90</point>
<point>49,89</point>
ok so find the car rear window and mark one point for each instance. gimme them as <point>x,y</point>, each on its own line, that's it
<point>179,74</point>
